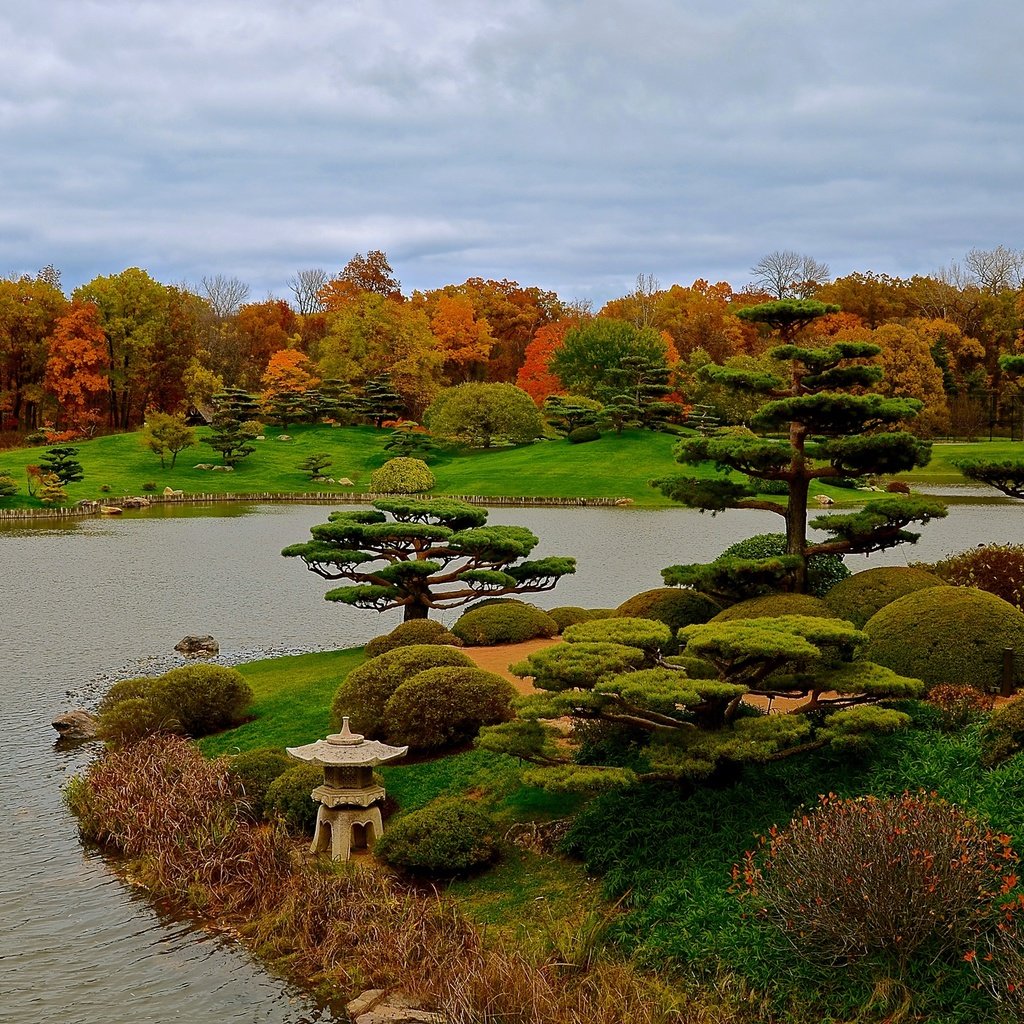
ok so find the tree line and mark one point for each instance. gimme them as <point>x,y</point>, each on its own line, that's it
<point>125,344</point>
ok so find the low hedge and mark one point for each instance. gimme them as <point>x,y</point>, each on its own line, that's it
<point>948,635</point>
<point>507,622</point>
<point>446,706</point>
<point>368,687</point>
<point>416,631</point>
<point>255,771</point>
<point>448,837</point>
<point>288,797</point>
<point>858,598</point>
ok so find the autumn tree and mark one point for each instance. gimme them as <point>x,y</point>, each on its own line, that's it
<point>829,430</point>
<point>464,341</point>
<point>226,295</point>
<point>910,371</point>
<point>167,434</point>
<point>371,273</point>
<point>76,367</point>
<point>481,415</point>
<point>430,553</point>
<point>535,376</point>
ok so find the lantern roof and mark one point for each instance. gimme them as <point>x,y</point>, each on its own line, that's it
<point>348,749</point>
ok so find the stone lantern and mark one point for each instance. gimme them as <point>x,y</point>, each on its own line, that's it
<point>349,814</point>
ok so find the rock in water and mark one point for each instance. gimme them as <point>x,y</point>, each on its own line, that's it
<point>197,646</point>
<point>78,724</point>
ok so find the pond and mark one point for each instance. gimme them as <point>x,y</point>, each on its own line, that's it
<point>86,601</point>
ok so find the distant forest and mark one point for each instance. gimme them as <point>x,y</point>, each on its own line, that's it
<point>126,345</point>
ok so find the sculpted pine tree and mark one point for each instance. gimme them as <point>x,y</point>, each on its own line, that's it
<point>431,553</point>
<point>662,724</point>
<point>829,426</point>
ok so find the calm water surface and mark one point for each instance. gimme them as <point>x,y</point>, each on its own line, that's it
<point>98,598</point>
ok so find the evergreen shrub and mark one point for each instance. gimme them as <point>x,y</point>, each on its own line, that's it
<point>773,605</point>
<point>445,706</point>
<point>569,615</point>
<point>288,797</point>
<point>451,836</point>
<point>948,635</point>
<point>509,622</point>
<point>823,571</point>
<point>368,687</point>
<point>1003,735</point>
<point>415,631</point>
<point>671,605</point>
<point>857,598</point>
<point>402,476</point>
<point>583,434</point>
<point>255,771</point>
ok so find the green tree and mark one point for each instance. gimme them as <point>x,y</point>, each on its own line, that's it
<point>315,464</point>
<point>567,412</point>
<point>828,431</point>
<point>234,409</point>
<point>7,485</point>
<point>381,402</point>
<point>481,415</point>
<point>672,727</point>
<point>165,434</point>
<point>62,462</point>
<point>410,440</point>
<point>431,553</point>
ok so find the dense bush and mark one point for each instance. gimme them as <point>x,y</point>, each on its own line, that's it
<point>193,700</point>
<point>948,635</point>
<point>858,598</point>
<point>997,568</point>
<point>959,706</point>
<point>445,706</point>
<point>254,771</point>
<point>288,797</point>
<point>823,571</point>
<point>415,631</point>
<point>1003,736</point>
<point>650,636</point>
<point>368,687</point>
<point>402,476</point>
<point>881,879</point>
<point>509,622</point>
<point>583,434</point>
<point>671,605</point>
<point>569,615</point>
<point>448,837</point>
<point>771,605</point>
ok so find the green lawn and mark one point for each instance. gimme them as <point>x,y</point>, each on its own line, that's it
<point>614,466</point>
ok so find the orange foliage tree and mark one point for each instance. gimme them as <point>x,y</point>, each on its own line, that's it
<point>288,372</point>
<point>535,376</point>
<point>77,365</point>
<point>463,339</point>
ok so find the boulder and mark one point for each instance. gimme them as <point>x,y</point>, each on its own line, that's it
<point>284,437</point>
<point>223,469</point>
<point>197,646</point>
<point>202,465</point>
<point>76,725</point>
<point>375,1006</point>
<point>345,482</point>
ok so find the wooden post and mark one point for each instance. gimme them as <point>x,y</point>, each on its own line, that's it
<point>1007,688</point>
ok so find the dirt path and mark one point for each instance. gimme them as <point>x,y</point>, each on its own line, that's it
<point>498,659</point>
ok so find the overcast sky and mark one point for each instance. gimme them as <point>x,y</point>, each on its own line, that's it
<point>561,143</point>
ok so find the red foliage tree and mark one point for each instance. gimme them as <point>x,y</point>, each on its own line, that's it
<point>77,365</point>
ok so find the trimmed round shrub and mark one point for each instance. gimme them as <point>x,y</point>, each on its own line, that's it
<point>254,771</point>
<point>948,635</point>
<point>649,636</point>
<point>583,434</point>
<point>671,605</point>
<point>415,631</point>
<point>773,605</point>
<point>1003,736</point>
<point>288,797</point>
<point>823,571</point>
<point>448,837</point>
<point>858,598</point>
<point>131,720</point>
<point>509,622</point>
<point>569,615</point>
<point>997,568</point>
<point>367,688</point>
<point>442,707</point>
<point>203,698</point>
<point>402,476</point>
<point>879,879</point>
<point>124,689</point>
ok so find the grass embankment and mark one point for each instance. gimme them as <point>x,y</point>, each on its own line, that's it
<point>664,856</point>
<point>616,466</point>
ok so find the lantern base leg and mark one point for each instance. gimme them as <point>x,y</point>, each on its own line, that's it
<point>334,828</point>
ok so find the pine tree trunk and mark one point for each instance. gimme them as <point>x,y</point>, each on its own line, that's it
<point>416,609</point>
<point>796,515</point>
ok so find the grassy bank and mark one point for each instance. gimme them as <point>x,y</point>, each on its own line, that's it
<point>616,466</point>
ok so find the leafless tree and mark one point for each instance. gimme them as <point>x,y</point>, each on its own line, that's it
<point>224,294</point>
<point>790,275</point>
<point>645,293</point>
<point>305,286</point>
<point>996,270</point>
<point>50,275</point>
